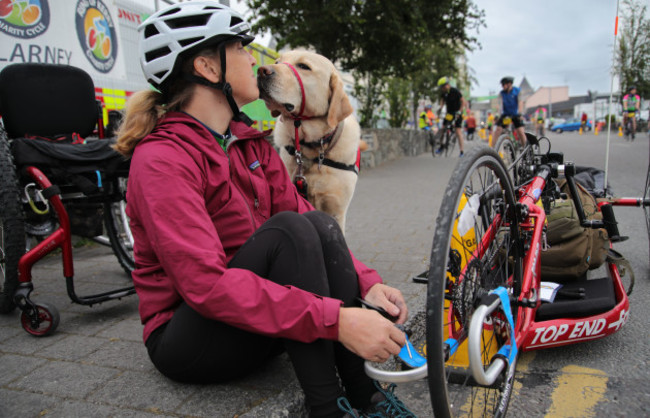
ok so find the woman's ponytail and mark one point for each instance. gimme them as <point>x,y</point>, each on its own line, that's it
<point>143,110</point>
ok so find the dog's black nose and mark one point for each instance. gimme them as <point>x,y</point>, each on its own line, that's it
<point>264,71</point>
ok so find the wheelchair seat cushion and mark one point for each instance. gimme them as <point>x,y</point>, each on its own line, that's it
<point>47,100</point>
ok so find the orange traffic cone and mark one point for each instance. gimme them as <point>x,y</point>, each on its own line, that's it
<point>620,131</point>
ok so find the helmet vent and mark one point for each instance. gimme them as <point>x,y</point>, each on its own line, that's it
<point>157,53</point>
<point>188,21</point>
<point>149,31</point>
<point>161,74</point>
<point>186,42</point>
<point>234,20</point>
<point>171,11</point>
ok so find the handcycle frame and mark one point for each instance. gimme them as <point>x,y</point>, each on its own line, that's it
<point>531,334</point>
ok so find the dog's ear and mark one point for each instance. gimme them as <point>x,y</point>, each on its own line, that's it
<point>340,107</point>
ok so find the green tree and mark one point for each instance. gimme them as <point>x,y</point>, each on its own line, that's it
<point>383,37</point>
<point>374,38</point>
<point>398,96</point>
<point>369,91</point>
<point>633,54</point>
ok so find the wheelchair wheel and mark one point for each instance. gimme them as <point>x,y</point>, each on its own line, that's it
<point>46,322</point>
<point>117,228</point>
<point>12,226</point>
<point>476,248</point>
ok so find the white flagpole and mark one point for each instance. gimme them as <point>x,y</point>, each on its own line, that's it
<point>611,92</point>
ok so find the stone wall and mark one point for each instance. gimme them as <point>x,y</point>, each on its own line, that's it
<point>391,144</point>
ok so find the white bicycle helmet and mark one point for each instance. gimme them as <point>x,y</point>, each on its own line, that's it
<point>182,29</point>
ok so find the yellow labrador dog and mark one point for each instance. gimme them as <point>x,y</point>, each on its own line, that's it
<point>305,90</point>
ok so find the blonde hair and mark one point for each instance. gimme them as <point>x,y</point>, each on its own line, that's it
<point>145,108</point>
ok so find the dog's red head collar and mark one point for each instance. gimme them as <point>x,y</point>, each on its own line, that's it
<point>299,116</point>
<point>299,178</point>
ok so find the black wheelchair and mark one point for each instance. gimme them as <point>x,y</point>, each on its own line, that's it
<point>59,176</point>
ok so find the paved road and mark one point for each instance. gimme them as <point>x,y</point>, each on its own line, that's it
<point>96,364</point>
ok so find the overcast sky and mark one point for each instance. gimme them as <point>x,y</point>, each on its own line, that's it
<point>551,42</point>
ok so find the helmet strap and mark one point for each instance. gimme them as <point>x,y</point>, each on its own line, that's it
<point>224,87</point>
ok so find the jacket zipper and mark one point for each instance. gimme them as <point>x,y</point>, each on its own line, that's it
<point>241,192</point>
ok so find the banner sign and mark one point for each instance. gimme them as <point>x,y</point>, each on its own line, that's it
<point>46,31</point>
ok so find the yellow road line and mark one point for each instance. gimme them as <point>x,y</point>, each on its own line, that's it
<point>578,390</point>
<point>523,363</point>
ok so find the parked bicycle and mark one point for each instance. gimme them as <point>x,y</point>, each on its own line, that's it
<point>446,138</point>
<point>628,126</point>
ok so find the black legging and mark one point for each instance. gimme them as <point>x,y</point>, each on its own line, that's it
<point>306,251</point>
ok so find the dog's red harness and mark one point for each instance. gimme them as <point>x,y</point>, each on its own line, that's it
<point>299,179</point>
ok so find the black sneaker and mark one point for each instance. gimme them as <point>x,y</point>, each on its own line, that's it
<point>385,404</point>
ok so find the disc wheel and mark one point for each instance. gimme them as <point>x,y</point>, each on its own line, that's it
<point>476,248</point>
<point>117,228</point>
<point>48,320</point>
<point>12,226</point>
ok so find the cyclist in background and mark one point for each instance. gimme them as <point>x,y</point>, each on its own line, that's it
<point>631,104</point>
<point>490,125</point>
<point>453,99</point>
<point>431,116</point>
<point>470,125</point>
<point>425,121</point>
<point>539,119</point>
<point>510,108</point>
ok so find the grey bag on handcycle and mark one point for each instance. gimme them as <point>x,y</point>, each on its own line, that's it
<point>573,248</point>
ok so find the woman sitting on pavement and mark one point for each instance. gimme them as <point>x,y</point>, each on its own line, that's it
<point>232,265</point>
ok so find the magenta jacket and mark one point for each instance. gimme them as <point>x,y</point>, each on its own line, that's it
<point>191,207</point>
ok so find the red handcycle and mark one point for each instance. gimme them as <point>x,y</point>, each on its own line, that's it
<point>486,300</point>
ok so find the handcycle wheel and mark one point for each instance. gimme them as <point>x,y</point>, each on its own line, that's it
<point>48,320</point>
<point>476,248</point>
<point>12,226</point>
<point>117,228</point>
